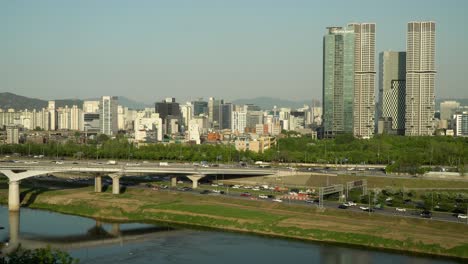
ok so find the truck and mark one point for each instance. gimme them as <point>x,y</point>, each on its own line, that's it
<point>112,162</point>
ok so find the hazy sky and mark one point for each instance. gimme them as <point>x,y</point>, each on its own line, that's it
<point>148,50</point>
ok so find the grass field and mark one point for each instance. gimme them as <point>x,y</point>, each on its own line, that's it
<point>282,220</point>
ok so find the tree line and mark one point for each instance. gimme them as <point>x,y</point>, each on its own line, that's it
<point>401,154</point>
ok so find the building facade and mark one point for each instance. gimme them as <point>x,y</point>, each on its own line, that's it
<point>392,90</point>
<point>338,80</point>
<point>364,79</point>
<point>108,115</point>
<point>420,79</point>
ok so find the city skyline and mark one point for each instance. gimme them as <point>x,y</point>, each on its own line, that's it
<point>150,51</point>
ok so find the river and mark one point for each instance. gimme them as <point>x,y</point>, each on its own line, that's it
<point>96,242</point>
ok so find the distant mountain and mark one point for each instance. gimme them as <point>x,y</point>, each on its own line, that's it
<point>132,104</point>
<point>267,103</point>
<point>18,102</point>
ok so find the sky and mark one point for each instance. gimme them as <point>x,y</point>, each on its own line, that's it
<point>149,50</point>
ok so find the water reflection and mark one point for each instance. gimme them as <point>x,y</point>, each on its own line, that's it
<point>109,243</point>
<point>98,234</point>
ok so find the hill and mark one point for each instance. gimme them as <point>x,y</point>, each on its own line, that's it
<point>18,102</point>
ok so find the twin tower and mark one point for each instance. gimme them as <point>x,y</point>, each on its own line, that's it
<point>406,83</point>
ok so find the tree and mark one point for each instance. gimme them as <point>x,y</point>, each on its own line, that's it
<point>38,256</point>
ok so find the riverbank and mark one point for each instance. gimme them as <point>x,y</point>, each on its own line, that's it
<point>272,219</point>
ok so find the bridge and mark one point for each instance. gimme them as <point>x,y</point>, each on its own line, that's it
<point>15,172</point>
<point>96,235</point>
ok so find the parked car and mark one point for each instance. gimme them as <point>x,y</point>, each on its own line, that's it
<point>205,192</point>
<point>246,194</point>
<point>262,196</point>
<point>277,200</point>
<point>461,216</point>
<point>309,201</point>
<point>400,209</point>
<point>343,206</point>
<point>426,214</point>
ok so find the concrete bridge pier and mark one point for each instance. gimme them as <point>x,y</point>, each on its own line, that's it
<point>98,184</point>
<point>195,179</point>
<point>115,229</point>
<point>13,196</point>
<point>173,180</point>
<point>14,223</point>
<point>116,183</point>
<point>13,185</point>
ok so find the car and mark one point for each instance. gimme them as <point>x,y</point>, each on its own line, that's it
<point>216,191</point>
<point>277,200</point>
<point>351,203</point>
<point>205,192</point>
<point>58,162</point>
<point>214,185</point>
<point>343,206</point>
<point>461,216</point>
<point>426,214</point>
<point>263,196</point>
<point>400,209</point>
<point>246,194</point>
<point>369,210</point>
<point>186,189</point>
<point>364,208</point>
<point>309,201</point>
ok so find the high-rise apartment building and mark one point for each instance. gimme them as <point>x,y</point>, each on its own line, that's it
<point>420,78</point>
<point>364,79</point>
<point>12,134</point>
<point>53,118</point>
<point>392,90</point>
<point>108,115</point>
<point>338,80</point>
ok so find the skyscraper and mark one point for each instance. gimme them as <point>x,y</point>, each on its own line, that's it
<point>338,80</point>
<point>392,89</point>
<point>108,115</point>
<point>215,112</point>
<point>364,79</point>
<point>420,78</point>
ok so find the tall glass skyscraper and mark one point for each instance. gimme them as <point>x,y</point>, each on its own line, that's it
<point>338,80</point>
<point>420,79</point>
<point>349,80</point>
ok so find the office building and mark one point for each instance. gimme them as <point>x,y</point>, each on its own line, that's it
<point>200,107</point>
<point>214,112</point>
<point>108,115</point>
<point>460,121</point>
<point>392,91</point>
<point>420,79</point>
<point>448,109</point>
<point>338,80</point>
<point>226,115</point>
